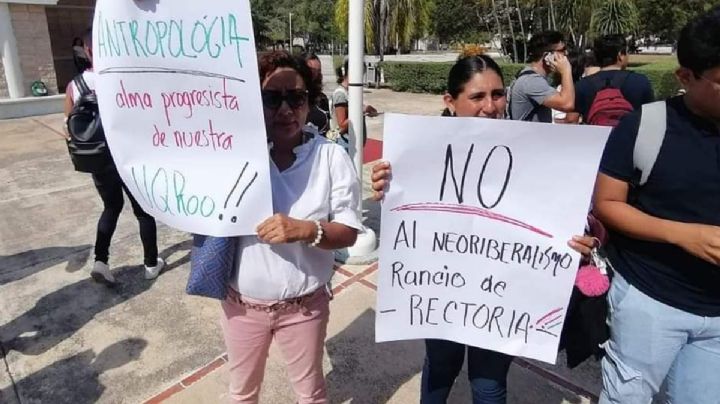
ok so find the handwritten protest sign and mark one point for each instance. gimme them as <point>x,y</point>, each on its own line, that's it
<point>475,226</point>
<point>179,96</point>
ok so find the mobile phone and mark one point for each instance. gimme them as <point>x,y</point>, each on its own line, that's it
<point>549,58</point>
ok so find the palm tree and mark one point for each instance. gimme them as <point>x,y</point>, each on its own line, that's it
<point>384,19</point>
<point>614,17</point>
<point>584,19</point>
<point>342,15</point>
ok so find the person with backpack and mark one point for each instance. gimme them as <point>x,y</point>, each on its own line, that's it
<point>658,192</point>
<point>89,153</point>
<point>531,97</point>
<point>613,92</point>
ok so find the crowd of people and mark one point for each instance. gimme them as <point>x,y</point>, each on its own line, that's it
<point>657,193</point>
<point>663,217</point>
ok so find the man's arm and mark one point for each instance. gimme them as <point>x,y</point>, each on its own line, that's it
<point>564,100</point>
<point>611,207</point>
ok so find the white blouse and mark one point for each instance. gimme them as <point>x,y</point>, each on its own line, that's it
<point>320,185</point>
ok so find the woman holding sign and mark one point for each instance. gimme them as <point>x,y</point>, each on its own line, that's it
<point>278,290</point>
<point>475,89</point>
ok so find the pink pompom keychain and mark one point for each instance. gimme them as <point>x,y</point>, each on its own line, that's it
<point>591,282</point>
<point>592,279</point>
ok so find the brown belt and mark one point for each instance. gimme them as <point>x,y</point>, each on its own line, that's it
<point>295,303</point>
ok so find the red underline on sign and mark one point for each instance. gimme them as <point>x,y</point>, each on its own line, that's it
<point>548,315</point>
<point>468,210</point>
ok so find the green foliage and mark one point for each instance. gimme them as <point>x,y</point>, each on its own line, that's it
<point>615,17</point>
<point>664,19</point>
<point>456,21</point>
<point>419,77</point>
<point>432,77</point>
<point>388,22</point>
<point>312,20</point>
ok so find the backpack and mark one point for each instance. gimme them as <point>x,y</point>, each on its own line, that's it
<point>609,104</point>
<point>536,106</point>
<point>87,146</point>
<point>650,138</point>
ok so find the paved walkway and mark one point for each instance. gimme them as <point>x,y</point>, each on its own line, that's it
<point>65,339</point>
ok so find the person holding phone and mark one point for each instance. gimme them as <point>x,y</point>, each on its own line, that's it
<point>532,98</point>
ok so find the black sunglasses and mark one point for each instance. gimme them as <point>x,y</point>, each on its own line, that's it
<point>273,99</point>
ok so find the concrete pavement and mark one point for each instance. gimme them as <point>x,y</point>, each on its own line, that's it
<point>65,339</point>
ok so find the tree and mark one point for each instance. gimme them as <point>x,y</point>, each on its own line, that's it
<point>586,19</point>
<point>455,21</point>
<point>315,21</point>
<point>614,17</point>
<point>522,29</point>
<point>388,20</point>
<point>663,20</point>
<point>261,12</point>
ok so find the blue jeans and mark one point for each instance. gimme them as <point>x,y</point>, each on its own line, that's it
<point>650,341</point>
<point>487,372</point>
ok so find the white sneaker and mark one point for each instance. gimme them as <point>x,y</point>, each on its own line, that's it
<point>101,273</point>
<point>153,272</point>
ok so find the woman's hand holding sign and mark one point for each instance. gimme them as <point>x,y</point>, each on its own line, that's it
<point>280,228</point>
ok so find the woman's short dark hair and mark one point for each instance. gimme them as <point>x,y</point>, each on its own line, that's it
<point>308,56</point>
<point>342,71</point>
<point>543,42</point>
<point>270,61</point>
<point>699,44</point>
<point>466,68</point>
<point>607,47</point>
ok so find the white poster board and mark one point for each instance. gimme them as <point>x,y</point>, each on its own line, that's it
<point>179,96</point>
<point>475,226</point>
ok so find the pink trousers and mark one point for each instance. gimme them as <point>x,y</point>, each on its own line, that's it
<point>299,332</point>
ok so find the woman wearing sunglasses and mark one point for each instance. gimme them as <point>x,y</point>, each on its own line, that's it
<point>278,290</point>
<point>475,89</point>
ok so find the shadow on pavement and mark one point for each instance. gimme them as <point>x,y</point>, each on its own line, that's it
<point>61,313</point>
<point>77,379</point>
<point>367,372</point>
<point>21,265</point>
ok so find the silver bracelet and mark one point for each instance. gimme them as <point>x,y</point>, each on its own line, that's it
<point>319,234</point>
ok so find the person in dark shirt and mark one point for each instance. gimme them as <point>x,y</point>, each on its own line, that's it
<point>611,54</point>
<point>664,302</point>
<point>319,114</point>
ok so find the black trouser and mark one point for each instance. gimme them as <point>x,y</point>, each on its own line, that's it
<point>487,372</point>
<point>110,187</point>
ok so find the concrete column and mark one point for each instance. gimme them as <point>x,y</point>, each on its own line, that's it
<point>10,58</point>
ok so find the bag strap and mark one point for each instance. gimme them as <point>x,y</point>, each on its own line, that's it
<point>81,85</point>
<point>522,73</point>
<point>650,137</point>
<point>619,80</point>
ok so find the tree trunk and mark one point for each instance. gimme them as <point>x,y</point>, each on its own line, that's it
<point>522,30</point>
<point>512,31</point>
<point>483,20</point>
<point>499,28</point>
<point>552,15</point>
<point>383,28</point>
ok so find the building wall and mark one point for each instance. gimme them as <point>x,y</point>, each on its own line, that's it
<point>67,21</point>
<point>33,43</point>
<point>3,83</point>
